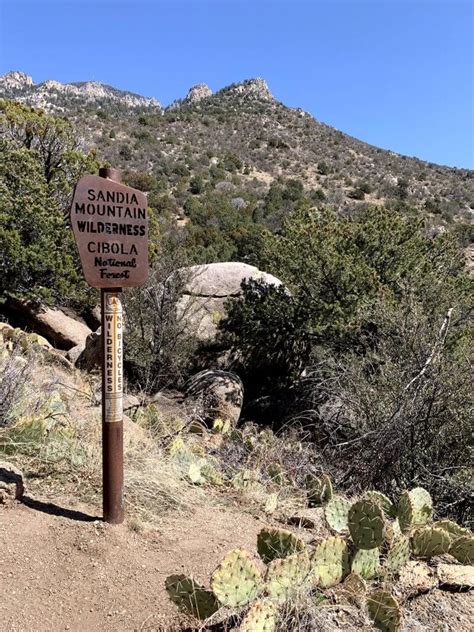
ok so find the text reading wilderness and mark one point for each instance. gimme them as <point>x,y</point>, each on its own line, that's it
<point>111,228</point>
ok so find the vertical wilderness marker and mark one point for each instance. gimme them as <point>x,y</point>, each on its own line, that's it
<point>110,226</point>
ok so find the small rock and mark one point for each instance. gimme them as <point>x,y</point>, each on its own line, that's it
<point>130,401</point>
<point>415,579</point>
<point>461,576</point>
<point>308,518</point>
<point>91,356</point>
<point>11,483</point>
<point>73,354</point>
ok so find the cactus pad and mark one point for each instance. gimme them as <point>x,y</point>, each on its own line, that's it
<point>277,544</point>
<point>366,524</point>
<point>275,473</point>
<point>414,508</point>
<point>237,580</point>
<point>319,489</point>
<point>271,503</point>
<point>194,473</point>
<point>285,578</point>
<point>366,563</point>
<point>454,530</point>
<point>392,531</point>
<point>384,611</point>
<point>383,501</point>
<point>262,617</point>
<point>354,585</point>
<point>399,555</point>
<point>463,549</point>
<point>336,514</point>
<point>330,562</point>
<point>190,597</point>
<point>429,541</point>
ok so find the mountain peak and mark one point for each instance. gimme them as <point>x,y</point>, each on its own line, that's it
<point>198,92</point>
<point>16,80</point>
<point>256,88</point>
<point>51,94</point>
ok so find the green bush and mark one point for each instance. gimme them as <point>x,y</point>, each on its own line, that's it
<point>360,329</point>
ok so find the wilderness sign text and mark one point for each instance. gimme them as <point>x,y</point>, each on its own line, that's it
<point>110,225</point>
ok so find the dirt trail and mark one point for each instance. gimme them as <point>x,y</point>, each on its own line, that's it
<point>74,573</point>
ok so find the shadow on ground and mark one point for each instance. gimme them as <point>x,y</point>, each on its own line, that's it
<point>56,510</point>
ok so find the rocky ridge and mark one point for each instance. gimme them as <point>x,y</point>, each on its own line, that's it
<point>50,94</point>
<point>245,140</point>
<point>56,96</point>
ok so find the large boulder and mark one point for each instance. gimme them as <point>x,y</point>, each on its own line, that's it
<point>214,394</point>
<point>61,329</point>
<point>206,288</point>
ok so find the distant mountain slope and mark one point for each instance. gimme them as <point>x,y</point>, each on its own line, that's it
<point>243,136</point>
<point>60,97</point>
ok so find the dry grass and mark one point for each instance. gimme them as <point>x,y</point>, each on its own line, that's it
<point>54,435</point>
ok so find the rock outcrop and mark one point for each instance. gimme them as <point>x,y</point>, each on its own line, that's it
<point>197,93</point>
<point>250,89</point>
<point>15,80</point>
<point>49,94</point>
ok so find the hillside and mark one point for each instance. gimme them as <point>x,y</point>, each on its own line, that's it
<point>239,141</point>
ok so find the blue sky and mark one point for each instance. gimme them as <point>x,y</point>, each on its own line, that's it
<point>395,73</point>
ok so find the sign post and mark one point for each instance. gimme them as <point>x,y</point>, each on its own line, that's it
<point>110,226</point>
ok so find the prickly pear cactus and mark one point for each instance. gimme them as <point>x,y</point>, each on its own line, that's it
<point>366,563</point>
<point>354,585</point>
<point>366,524</point>
<point>330,562</point>
<point>392,531</point>
<point>277,544</point>
<point>319,489</point>
<point>262,617</point>
<point>414,508</point>
<point>336,513</point>
<point>237,580</point>
<point>429,541</point>
<point>286,578</point>
<point>383,501</point>
<point>271,503</point>
<point>221,426</point>
<point>194,473</point>
<point>275,472</point>
<point>190,597</point>
<point>247,480</point>
<point>384,611</point>
<point>463,549</point>
<point>211,474</point>
<point>454,530</point>
<point>398,555</point>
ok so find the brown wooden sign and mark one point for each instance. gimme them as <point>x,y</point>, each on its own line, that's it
<point>110,224</point>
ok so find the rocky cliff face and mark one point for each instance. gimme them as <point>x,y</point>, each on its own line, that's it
<point>15,80</point>
<point>251,88</point>
<point>198,92</point>
<point>56,96</point>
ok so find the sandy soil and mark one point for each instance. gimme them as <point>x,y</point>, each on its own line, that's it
<point>73,572</point>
